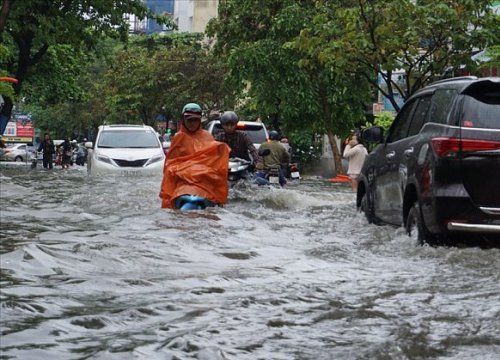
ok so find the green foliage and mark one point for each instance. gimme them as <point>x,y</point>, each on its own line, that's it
<point>377,38</point>
<point>142,84</point>
<point>384,119</point>
<point>6,89</point>
<point>277,80</point>
<point>46,40</point>
<point>491,58</point>
<point>306,146</point>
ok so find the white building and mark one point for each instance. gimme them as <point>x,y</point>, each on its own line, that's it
<point>194,15</point>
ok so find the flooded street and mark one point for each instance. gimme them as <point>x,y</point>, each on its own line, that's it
<point>92,268</point>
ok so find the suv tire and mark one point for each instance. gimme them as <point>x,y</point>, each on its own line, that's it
<point>414,224</point>
<point>366,208</point>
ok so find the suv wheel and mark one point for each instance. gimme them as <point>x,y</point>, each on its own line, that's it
<point>366,209</point>
<point>414,224</point>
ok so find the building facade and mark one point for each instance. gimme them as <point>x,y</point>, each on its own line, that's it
<point>194,15</point>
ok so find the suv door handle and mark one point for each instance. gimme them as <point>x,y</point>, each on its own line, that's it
<point>390,156</point>
<point>408,153</point>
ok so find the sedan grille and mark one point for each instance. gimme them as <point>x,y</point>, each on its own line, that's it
<point>132,163</point>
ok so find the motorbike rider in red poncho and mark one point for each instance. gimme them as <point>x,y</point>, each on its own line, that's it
<point>196,164</point>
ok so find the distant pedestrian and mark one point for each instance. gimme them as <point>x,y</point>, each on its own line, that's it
<point>67,153</point>
<point>356,153</point>
<point>48,149</point>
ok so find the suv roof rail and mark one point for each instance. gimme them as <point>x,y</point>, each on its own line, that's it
<point>458,78</point>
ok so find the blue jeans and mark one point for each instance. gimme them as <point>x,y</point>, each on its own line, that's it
<point>261,175</point>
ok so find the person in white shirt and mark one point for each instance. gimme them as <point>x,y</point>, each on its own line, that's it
<point>356,154</point>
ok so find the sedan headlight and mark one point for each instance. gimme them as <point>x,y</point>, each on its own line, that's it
<point>154,160</point>
<point>105,159</point>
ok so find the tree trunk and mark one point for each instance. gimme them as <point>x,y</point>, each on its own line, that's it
<point>337,157</point>
<point>4,14</point>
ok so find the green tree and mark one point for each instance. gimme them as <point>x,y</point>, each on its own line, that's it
<point>278,80</point>
<point>161,77</point>
<point>422,38</point>
<point>32,27</point>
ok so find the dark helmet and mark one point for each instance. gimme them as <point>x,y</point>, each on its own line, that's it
<point>228,117</point>
<point>273,135</point>
<point>192,108</point>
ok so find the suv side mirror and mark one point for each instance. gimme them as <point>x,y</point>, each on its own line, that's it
<point>374,134</point>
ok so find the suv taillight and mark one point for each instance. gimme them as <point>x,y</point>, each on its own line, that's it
<point>449,147</point>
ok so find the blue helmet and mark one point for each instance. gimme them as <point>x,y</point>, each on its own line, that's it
<point>273,135</point>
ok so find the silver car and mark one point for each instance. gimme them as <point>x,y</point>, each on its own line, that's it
<point>17,152</point>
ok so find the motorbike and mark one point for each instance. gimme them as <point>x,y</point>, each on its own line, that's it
<point>292,172</point>
<point>192,202</point>
<point>239,170</point>
<point>80,155</point>
<point>270,176</point>
<point>34,159</point>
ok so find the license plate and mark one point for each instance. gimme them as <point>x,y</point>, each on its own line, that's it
<point>274,179</point>
<point>130,172</point>
<point>295,175</point>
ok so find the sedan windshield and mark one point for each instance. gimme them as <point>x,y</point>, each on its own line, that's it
<point>128,139</point>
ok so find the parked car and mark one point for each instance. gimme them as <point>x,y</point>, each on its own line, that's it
<point>17,152</point>
<point>437,172</point>
<point>125,150</point>
<point>256,131</point>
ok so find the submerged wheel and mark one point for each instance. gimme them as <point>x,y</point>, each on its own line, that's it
<point>414,224</point>
<point>18,159</point>
<point>366,208</point>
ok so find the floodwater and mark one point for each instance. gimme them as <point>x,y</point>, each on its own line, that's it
<point>92,268</point>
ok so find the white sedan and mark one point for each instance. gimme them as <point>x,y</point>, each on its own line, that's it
<point>125,150</point>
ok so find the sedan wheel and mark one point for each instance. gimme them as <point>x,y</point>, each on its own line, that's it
<point>18,159</point>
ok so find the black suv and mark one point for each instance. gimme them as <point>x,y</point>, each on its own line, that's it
<point>438,170</point>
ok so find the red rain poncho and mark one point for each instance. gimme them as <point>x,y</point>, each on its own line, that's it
<point>196,164</point>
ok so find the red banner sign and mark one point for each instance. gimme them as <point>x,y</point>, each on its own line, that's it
<point>25,129</point>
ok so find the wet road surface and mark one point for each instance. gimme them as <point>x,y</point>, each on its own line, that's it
<point>92,268</point>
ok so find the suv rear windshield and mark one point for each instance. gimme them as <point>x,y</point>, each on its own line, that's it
<point>481,112</point>
<point>140,139</point>
<point>255,132</point>
<point>481,105</point>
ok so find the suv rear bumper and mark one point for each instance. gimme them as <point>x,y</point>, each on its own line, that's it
<point>453,215</point>
<point>474,228</point>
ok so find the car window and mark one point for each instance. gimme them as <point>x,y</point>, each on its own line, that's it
<point>255,132</point>
<point>399,128</point>
<point>128,139</point>
<point>440,105</point>
<point>419,116</point>
<point>481,111</point>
